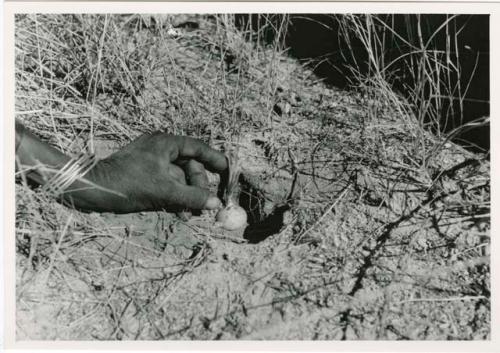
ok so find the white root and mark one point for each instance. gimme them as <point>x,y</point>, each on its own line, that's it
<point>232,216</point>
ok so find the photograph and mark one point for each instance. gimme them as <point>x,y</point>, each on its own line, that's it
<point>252,176</point>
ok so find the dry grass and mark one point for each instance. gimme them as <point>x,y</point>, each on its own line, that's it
<point>423,63</point>
<point>357,233</point>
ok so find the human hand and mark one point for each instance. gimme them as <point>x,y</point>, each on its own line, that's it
<point>160,172</point>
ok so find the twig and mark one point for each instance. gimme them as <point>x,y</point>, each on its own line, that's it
<point>56,250</point>
<point>328,210</point>
<point>452,299</point>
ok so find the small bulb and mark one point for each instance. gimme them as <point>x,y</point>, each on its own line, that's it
<point>232,217</point>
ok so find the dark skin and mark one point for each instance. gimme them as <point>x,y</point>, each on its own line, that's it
<point>155,172</point>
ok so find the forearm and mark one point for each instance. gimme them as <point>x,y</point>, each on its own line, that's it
<point>39,161</point>
<point>34,156</point>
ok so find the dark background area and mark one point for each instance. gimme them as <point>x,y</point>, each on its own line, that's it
<point>317,40</point>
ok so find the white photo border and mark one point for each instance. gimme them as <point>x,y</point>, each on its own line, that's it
<point>7,177</point>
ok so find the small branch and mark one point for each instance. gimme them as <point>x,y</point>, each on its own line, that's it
<point>328,210</point>
<point>452,299</point>
<point>56,251</point>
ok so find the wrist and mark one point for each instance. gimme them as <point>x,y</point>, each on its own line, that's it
<point>74,170</point>
<point>99,191</point>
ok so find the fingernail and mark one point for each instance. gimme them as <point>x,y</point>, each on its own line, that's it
<point>212,203</point>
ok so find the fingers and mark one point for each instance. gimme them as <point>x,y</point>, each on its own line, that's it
<point>177,173</point>
<point>188,147</point>
<point>193,197</point>
<point>196,174</point>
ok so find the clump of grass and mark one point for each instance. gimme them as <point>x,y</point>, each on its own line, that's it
<point>416,67</point>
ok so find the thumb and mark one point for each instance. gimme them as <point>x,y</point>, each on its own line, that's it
<point>194,197</point>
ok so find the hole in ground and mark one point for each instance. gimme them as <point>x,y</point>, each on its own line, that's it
<point>261,225</point>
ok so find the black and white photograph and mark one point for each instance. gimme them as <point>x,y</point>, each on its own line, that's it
<point>252,176</point>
